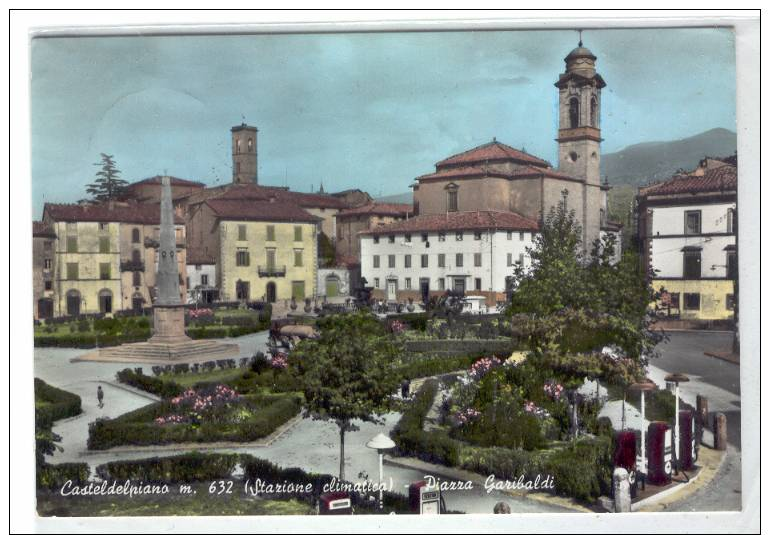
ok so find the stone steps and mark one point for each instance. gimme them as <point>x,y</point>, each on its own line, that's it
<point>157,353</point>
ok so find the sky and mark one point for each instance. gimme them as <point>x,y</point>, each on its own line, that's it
<point>366,110</point>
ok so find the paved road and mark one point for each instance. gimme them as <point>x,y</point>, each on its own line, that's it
<point>310,445</point>
<point>720,382</point>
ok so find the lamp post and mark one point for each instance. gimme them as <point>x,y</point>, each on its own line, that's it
<point>676,378</point>
<point>642,387</point>
<point>381,443</point>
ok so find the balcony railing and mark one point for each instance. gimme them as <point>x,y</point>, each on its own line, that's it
<point>131,265</point>
<point>271,271</point>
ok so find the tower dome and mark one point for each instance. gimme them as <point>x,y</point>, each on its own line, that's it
<point>581,61</point>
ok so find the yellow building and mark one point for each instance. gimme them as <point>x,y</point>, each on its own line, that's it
<point>99,251</point>
<point>266,250</point>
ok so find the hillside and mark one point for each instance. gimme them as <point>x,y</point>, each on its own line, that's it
<point>650,162</point>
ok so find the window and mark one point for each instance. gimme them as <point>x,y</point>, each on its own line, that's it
<point>574,113</point>
<point>692,222</point>
<point>136,236</point>
<point>103,226</point>
<point>376,239</point>
<point>477,235</point>
<point>47,263</point>
<point>442,236</point>
<point>477,284</point>
<point>408,238</point>
<point>452,201</point>
<point>731,221</point>
<point>241,232</point>
<point>692,265</point>
<point>732,266</point>
<point>136,256</point>
<point>242,257</point>
<point>104,245</point>
<point>521,236</point>
<point>376,261</point>
<point>297,257</point>
<point>270,259</point>
<point>594,118</point>
<point>242,290</point>
<point>391,260</point>
<point>730,302</point>
<point>441,260</point>
<point>510,259</point>
<point>105,301</point>
<point>72,271</point>
<point>298,290</point>
<point>137,278</point>
<point>408,283</point>
<point>198,267</point>
<point>188,282</point>
<point>297,233</point>
<point>407,260</point>
<point>424,261</point>
<point>424,237</point>
<point>441,284</point>
<point>477,259</point>
<point>204,280</point>
<point>250,144</point>
<point>237,146</point>
<point>72,244</point>
<point>509,235</point>
<point>104,271</point>
<point>458,236</point>
<point>48,285</point>
<point>521,259</point>
<point>391,239</point>
<point>376,282</point>
<point>674,299</point>
<point>692,301</point>
<point>459,260</point>
<point>271,233</point>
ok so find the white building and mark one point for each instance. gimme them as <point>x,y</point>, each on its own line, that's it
<point>201,278</point>
<point>687,229</point>
<point>473,252</point>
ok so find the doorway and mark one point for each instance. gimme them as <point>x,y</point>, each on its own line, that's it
<point>392,286</point>
<point>105,301</point>
<point>45,308</point>
<point>425,290</point>
<point>332,286</point>
<point>73,303</point>
<point>459,285</point>
<point>270,292</point>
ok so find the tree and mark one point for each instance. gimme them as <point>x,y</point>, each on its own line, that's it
<point>348,372</point>
<point>580,304</point>
<point>107,186</point>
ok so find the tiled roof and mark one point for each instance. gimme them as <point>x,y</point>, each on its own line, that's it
<point>264,193</point>
<point>494,151</point>
<point>250,210</point>
<point>173,180</point>
<point>475,171</point>
<point>117,212</point>
<point>379,208</point>
<point>450,221</point>
<point>196,255</point>
<point>723,178</point>
<point>42,229</point>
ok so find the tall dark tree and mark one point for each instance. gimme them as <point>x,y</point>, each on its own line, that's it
<point>108,185</point>
<point>347,373</point>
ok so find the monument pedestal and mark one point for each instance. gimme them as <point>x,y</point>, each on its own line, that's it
<point>169,325</point>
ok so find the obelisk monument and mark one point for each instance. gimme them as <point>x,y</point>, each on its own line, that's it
<point>168,309</point>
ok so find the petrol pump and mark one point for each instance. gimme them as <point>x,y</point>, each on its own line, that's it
<point>425,500</point>
<point>659,453</point>
<point>335,503</point>
<point>688,442</point>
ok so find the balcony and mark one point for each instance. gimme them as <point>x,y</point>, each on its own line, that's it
<point>131,265</point>
<point>271,271</point>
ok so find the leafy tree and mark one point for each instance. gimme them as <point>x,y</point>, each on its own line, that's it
<point>108,185</point>
<point>348,372</point>
<point>327,254</point>
<point>578,304</point>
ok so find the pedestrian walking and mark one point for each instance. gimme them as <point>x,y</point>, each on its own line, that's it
<point>405,388</point>
<point>100,396</point>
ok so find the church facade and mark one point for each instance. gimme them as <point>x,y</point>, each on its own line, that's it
<point>495,176</point>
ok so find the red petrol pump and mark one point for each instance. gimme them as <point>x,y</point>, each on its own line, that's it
<point>659,453</point>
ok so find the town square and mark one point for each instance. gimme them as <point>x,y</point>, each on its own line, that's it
<point>390,273</point>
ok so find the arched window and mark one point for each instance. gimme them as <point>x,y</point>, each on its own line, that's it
<point>237,146</point>
<point>135,236</point>
<point>574,112</point>
<point>594,117</point>
<point>250,144</point>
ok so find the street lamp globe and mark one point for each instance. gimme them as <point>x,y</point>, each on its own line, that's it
<point>381,443</point>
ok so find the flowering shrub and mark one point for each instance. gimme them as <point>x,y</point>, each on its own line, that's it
<point>170,419</point>
<point>280,361</point>
<point>196,313</point>
<point>397,327</point>
<point>467,415</point>
<point>194,405</point>
<point>531,408</point>
<point>553,390</point>
<point>482,366</point>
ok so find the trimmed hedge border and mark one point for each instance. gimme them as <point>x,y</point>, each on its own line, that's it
<point>61,404</point>
<point>54,476</point>
<point>153,385</point>
<point>185,468</point>
<point>456,347</point>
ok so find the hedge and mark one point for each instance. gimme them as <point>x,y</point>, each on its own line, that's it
<point>427,367</point>
<point>54,476</point>
<point>59,404</point>
<point>88,340</point>
<point>185,468</point>
<point>457,347</point>
<point>153,385</point>
<point>138,428</point>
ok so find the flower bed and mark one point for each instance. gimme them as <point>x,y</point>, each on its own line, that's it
<point>208,413</point>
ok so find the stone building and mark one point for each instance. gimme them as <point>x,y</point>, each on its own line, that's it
<point>687,229</point>
<point>264,250</point>
<point>43,240</point>
<point>104,256</point>
<point>148,190</point>
<point>351,221</point>
<point>495,176</point>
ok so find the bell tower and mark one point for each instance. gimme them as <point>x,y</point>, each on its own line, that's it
<point>579,137</point>
<point>244,154</point>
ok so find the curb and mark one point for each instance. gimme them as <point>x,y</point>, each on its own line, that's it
<point>724,356</point>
